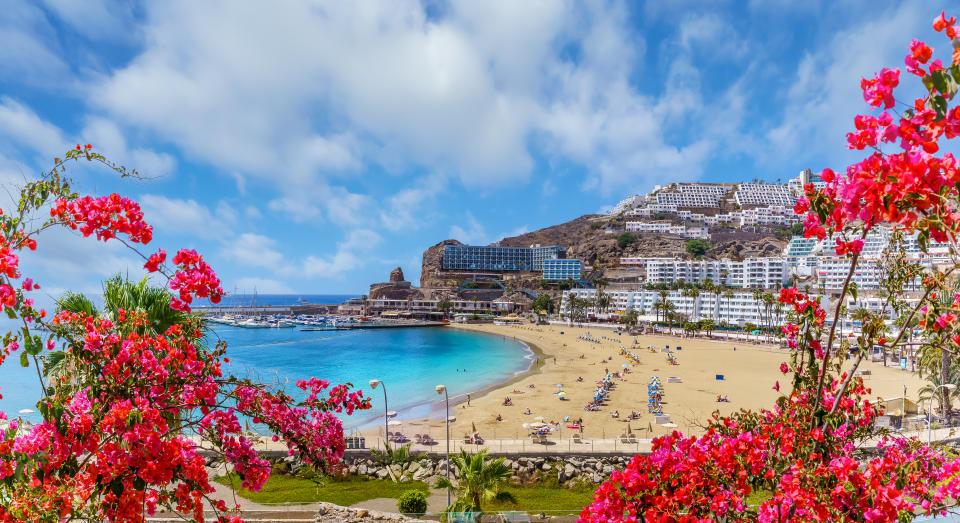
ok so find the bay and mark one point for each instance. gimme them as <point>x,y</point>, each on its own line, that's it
<point>410,361</point>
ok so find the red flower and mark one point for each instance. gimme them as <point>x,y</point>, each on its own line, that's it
<point>153,263</point>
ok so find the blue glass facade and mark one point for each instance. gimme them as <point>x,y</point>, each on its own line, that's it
<point>562,269</point>
<point>492,258</point>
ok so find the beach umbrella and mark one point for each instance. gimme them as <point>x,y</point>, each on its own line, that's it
<point>540,418</point>
<point>562,393</point>
<point>392,414</point>
<point>394,423</point>
<point>25,411</point>
<point>525,425</point>
<point>452,418</point>
<point>558,385</point>
<point>626,366</point>
<point>537,425</point>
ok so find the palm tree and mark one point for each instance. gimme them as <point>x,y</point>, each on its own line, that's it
<point>669,314</point>
<point>934,381</point>
<point>602,300</point>
<point>479,481</point>
<point>757,299</point>
<point>769,300</point>
<point>707,324</point>
<point>132,297</point>
<point>663,301</point>
<point>728,295</point>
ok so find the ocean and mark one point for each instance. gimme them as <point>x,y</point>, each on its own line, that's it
<point>233,300</point>
<point>410,361</point>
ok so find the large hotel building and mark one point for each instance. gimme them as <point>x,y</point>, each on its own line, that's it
<point>494,258</point>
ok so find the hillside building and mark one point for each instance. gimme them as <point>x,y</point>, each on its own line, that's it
<point>497,258</point>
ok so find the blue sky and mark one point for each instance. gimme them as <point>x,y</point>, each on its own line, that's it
<point>310,146</point>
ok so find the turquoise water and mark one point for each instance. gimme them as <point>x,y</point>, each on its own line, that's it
<point>410,361</point>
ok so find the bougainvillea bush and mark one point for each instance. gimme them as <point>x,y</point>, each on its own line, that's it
<point>130,411</point>
<point>802,459</point>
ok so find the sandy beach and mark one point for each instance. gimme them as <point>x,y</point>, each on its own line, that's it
<point>749,374</point>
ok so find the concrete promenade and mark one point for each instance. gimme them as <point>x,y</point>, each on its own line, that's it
<point>565,446</point>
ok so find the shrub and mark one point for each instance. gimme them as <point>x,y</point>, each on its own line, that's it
<point>412,502</point>
<point>626,239</point>
<point>698,247</point>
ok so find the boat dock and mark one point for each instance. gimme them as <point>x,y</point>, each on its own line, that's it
<point>391,324</point>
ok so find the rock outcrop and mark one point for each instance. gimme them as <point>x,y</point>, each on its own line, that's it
<point>431,271</point>
<point>395,289</point>
<point>330,513</point>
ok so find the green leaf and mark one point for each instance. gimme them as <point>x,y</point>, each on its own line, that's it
<point>908,114</point>
<point>24,362</point>
<point>940,80</point>
<point>939,104</point>
<point>955,72</point>
<point>34,345</point>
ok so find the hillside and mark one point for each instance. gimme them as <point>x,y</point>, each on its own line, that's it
<point>586,239</point>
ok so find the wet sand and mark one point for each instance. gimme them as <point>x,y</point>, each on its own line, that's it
<point>749,373</point>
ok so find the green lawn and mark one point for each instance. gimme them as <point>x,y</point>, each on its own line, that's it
<point>281,488</point>
<point>546,498</point>
<point>287,489</point>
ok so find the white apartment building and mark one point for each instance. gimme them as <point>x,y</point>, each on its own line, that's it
<point>656,227</point>
<point>689,199</point>
<point>626,204</point>
<point>810,257</point>
<point>652,210</point>
<point>765,194</point>
<point>701,188</point>
<point>739,309</point>
<point>765,273</point>
<point>667,228</point>
<point>771,215</point>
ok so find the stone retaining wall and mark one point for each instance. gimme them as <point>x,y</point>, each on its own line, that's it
<point>576,468</point>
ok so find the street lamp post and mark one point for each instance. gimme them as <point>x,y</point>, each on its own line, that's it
<point>948,386</point>
<point>441,389</point>
<point>386,416</point>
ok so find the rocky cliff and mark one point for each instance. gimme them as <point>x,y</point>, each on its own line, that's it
<point>586,238</point>
<point>432,266</point>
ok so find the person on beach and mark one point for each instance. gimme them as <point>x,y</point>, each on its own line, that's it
<point>468,400</point>
<point>499,417</point>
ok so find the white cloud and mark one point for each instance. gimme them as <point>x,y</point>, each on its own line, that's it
<point>109,140</point>
<point>349,256</point>
<point>517,231</point>
<point>473,234</point>
<point>297,209</point>
<point>467,92</point>
<point>711,36</point>
<point>254,250</point>
<point>20,125</point>
<point>252,212</point>
<point>406,209</point>
<point>67,259</point>
<point>183,217</point>
<point>25,47</point>
<point>96,19</point>
<point>825,94</point>
<point>261,285</point>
